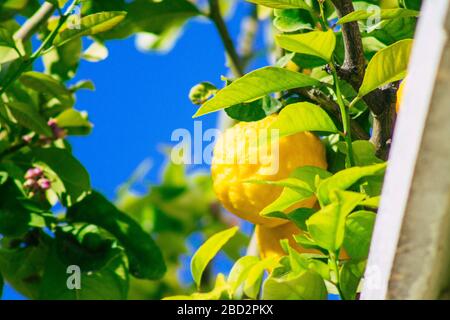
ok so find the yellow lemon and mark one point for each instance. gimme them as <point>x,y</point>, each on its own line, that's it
<point>239,157</point>
<point>401,88</point>
<point>269,240</point>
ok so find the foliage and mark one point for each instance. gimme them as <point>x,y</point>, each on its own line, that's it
<point>50,218</point>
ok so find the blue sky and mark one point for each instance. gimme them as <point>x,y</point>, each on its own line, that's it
<point>140,99</point>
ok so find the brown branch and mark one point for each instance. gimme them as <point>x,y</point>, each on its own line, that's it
<point>380,102</point>
<point>216,16</point>
<point>332,108</point>
<point>34,23</point>
<point>352,70</point>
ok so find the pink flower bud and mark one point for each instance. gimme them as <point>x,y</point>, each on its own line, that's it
<point>29,184</point>
<point>44,184</point>
<point>34,173</point>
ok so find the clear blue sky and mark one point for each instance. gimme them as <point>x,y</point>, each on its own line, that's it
<point>140,99</point>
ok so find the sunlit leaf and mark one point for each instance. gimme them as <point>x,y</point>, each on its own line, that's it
<point>303,116</point>
<point>316,43</point>
<point>387,65</point>
<point>254,85</point>
<point>327,226</point>
<point>283,4</point>
<point>358,234</point>
<point>208,251</point>
<point>90,25</point>
<point>384,14</point>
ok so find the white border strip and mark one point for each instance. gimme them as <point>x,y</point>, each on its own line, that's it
<point>425,61</point>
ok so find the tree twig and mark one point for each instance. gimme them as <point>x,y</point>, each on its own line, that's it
<point>35,22</point>
<point>234,59</point>
<point>353,67</point>
<point>380,101</point>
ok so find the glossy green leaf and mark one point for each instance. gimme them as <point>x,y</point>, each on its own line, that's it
<point>75,122</point>
<point>108,283</point>
<point>350,276</point>
<point>252,284</point>
<point>14,218</point>
<point>63,61</point>
<point>316,43</point>
<point>298,216</point>
<point>63,168</point>
<point>48,85</point>
<point>208,251</point>
<point>145,258</point>
<point>303,188</point>
<point>283,4</point>
<point>26,115</point>
<point>291,20</point>
<point>23,267</point>
<point>358,234</point>
<point>240,272</point>
<point>388,65</point>
<point>254,85</point>
<point>327,226</point>
<point>306,285</point>
<point>303,116</point>
<point>385,14</point>
<point>91,25</point>
<point>345,179</point>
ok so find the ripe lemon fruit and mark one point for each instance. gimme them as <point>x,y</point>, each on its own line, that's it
<point>401,88</point>
<point>239,157</point>
<point>269,240</point>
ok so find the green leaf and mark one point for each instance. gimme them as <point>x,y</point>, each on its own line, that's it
<point>14,218</point>
<point>327,226</point>
<point>298,216</point>
<point>358,234</point>
<point>23,267</point>
<point>303,116</point>
<point>385,14</point>
<point>108,283</point>
<point>411,4</point>
<point>316,43</point>
<point>350,276</point>
<point>291,20</point>
<point>364,152</point>
<point>345,179</point>
<point>255,110</point>
<point>74,121</point>
<point>253,282</point>
<point>283,4</point>
<point>254,85</point>
<point>391,31</point>
<point>91,25</point>
<point>240,272</point>
<point>7,54</point>
<point>306,285</point>
<point>146,260</point>
<point>26,115</point>
<point>388,65</point>
<point>48,85</point>
<point>63,61</point>
<point>208,251</point>
<point>68,176</point>
<point>304,188</point>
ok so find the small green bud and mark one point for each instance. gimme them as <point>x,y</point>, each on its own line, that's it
<point>201,92</point>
